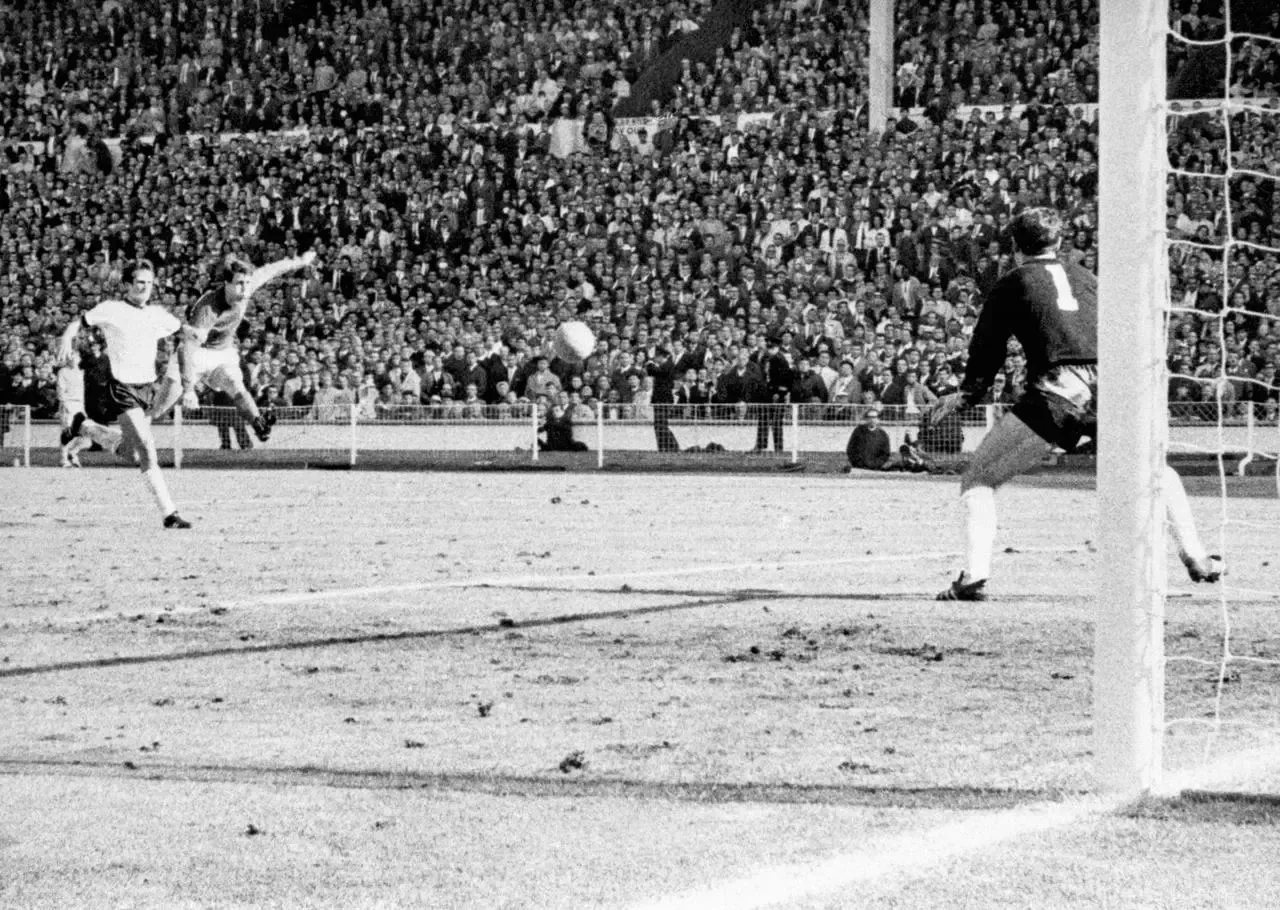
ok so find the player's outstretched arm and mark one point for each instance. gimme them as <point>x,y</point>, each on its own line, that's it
<point>67,343</point>
<point>270,272</point>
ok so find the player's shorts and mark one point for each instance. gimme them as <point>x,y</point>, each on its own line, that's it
<point>1062,405</point>
<point>217,368</point>
<point>125,396</point>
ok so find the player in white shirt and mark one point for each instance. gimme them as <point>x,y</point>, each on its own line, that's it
<point>132,329</point>
<point>210,357</point>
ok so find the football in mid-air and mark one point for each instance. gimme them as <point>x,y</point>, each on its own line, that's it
<point>574,341</point>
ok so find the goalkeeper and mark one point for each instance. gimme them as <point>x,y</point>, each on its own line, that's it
<point>210,356</point>
<point>83,415</point>
<point>1050,306</point>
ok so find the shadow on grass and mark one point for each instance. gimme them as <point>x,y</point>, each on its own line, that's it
<point>1210,807</point>
<point>704,599</point>
<point>575,785</point>
<point>363,639</point>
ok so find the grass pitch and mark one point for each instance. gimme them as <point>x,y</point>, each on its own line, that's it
<point>574,690</point>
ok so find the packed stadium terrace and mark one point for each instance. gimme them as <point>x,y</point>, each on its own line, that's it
<point>459,172</point>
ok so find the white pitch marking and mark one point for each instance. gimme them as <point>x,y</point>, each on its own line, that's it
<point>1235,769</point>
<point>913,854</point>
<point>906,854</point>
<point>292,598</point>
<point>498,581</point>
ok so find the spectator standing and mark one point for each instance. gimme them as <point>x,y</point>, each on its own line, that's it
<point>777,378</point>
<point>662,370</point>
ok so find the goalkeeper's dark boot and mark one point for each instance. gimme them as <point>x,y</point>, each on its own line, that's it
<point>964,589</point>
<point>174,521</point>
<point>72,431</point>
<point>262,425</point>
<point>1209,569</point>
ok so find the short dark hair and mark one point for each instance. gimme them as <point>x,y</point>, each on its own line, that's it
<point>235,266</point>
<point>1036,230</point>
<point>135,266</point>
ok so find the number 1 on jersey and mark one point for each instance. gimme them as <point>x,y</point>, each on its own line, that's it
<point>1066,299</point>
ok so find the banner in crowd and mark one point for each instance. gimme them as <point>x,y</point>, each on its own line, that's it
<point>629,128</point>
<point>567,135</point>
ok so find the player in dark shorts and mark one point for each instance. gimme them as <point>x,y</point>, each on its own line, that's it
<point>84,404</point>
<point>1051,307</point>
<point>132,328</point>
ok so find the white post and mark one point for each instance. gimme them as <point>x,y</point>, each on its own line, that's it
<point>354,433</point>
<point>1249,446</point>
<point>880,59</point>
<point>26,436</point>
<point>795,434</point>
<point>1128,688</point>
<point>534,447</point>
<point>600,436</point>
<point>177,437</point>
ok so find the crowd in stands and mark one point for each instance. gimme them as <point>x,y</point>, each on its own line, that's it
<point>993,53</point>
<point>410,144</point>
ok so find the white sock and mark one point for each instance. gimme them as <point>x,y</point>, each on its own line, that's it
<point>78,445</point>
<point>159,490</point>
<point>107,437</point>
<point>1182,523</point>
<point>980,530</point>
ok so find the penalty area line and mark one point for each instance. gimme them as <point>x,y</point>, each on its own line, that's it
<point>917,853</point>
<point>497,581</point>
<point>294,598</point>
<point>906,854</point>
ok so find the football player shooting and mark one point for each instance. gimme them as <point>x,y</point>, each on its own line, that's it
<point>132,329</point>
<point>1050,306</point>
<point>208,353</point>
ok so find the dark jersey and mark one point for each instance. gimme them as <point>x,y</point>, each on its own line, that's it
<point>97,387</point>
<point>1050,306</point>
<point>222,319</point>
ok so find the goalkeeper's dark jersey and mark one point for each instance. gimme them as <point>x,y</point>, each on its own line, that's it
<point>1050,306</point>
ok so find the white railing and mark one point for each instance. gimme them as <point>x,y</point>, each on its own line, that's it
<point>458,434</point>
<point>15,435</point>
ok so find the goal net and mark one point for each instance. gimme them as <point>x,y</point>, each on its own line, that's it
<point>15,435</point>
<point>1223,194</point>
<point>1189,218</point>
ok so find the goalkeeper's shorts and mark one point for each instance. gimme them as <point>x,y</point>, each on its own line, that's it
<point>1061,406</point>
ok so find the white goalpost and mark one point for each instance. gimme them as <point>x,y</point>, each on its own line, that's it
<point>1132,295</point>
<point>1220,167</point>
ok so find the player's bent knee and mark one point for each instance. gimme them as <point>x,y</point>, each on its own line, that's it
<point>974,478</point>
<point>982,471</point>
